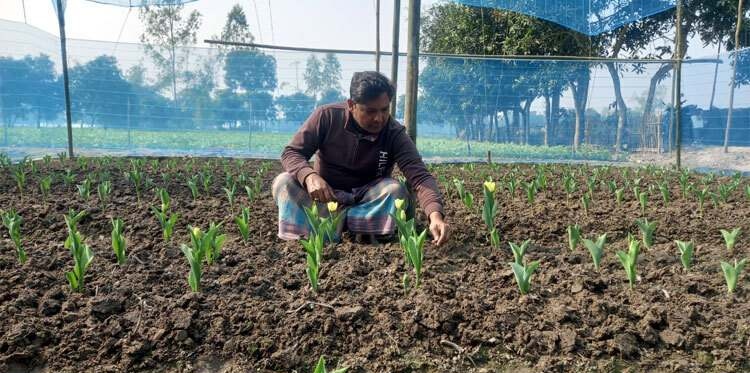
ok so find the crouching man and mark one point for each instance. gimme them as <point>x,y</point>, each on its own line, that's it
<point>357,143</point>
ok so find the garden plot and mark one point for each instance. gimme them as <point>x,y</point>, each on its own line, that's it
<point>113,264</point>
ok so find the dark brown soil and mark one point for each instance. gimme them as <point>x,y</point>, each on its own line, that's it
<point>256,311</point>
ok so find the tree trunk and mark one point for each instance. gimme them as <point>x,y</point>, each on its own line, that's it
<point>554,114</point>
<point>580,90</point>
<point>622,109</point>
<point>649,105</point>
<point>716,76</point>
<point>733,85</point>
<point>516,125</point>
<point>527,119</point>
<point>506,117</point>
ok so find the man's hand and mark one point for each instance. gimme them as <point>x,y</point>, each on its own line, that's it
<point>318,189</point>
<point>438,228</point>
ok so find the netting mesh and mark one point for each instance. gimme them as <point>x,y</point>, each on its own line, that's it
<point>139,3</point>
<point>248,103</point>
<point>590,17</point>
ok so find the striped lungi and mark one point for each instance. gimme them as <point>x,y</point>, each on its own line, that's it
<point>368,209</point>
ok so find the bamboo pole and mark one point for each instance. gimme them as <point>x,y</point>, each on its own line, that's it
<point>66,80</point>
<point>412,70</point>
<point>678,85</point>
<point>734,75</point>
<point>394,53</point>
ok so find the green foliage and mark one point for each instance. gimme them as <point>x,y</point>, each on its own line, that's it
<point>327,227</point>
<point>647,231</point>
<point>630,259</point>
<point>192,184</point>
<point>411,242</point>
<point>119,243</point>
<point>243,223</point>
<point>82,254</point>
<point>701,196</point>
<point>195,254</point>
<point>596,249</point>
<point>84,189</point>
<point>45,185</point>
<point>574,236</point>
<point>664,190</point>
<point>19,175</point>
<point>12,222</point>
<point>167,221</point>
<point>531,190</point>
<point>489,211</point>
<point>619,196</point>
<point>104,190</point>
<point>321,367</point>
<point>230,192</point>
<point>523,274</point>
<point>519,251</point>
<point>314,250</point>
<point>643,201</point>
<point>732,273</point>
<point>586,202</point>
<point>687,251</point>
<point>730,237</point>
<point>135,176</point>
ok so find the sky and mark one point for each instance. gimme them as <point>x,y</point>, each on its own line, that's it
<point>334,24</point>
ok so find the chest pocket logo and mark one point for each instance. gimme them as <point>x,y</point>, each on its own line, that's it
<point>382,163</point>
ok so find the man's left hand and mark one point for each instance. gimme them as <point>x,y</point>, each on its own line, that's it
<point>438,228</point>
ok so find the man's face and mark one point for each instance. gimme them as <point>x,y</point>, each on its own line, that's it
<point>373,115</point>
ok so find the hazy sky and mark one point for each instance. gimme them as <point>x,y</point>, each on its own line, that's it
<point>337,24</point>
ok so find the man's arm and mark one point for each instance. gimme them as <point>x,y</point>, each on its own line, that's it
<point>303,145</point>
<point>430,199</point>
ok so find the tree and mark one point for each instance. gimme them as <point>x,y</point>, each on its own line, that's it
<point>250,70</point>
<point>236,29</point>
<point>313,76</point>
<point>14,75</point>
<point>164,32</point>
<point>330,96</point>
<point>295,107</point>
<point>99,93</point>
<point>331,73</point>
<point>44,87</point>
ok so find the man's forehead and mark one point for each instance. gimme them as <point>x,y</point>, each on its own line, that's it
<point>373,106</point>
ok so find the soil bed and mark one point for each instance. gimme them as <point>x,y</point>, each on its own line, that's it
<point>256,311</point>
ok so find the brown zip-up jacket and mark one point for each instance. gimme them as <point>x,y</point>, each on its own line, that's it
<point>348,157</point>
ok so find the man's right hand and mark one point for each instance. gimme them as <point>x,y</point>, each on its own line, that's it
<point>318,189</point>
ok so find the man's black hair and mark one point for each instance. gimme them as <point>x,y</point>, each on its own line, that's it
<point>369,85</point>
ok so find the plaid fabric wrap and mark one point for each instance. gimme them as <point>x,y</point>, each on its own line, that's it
<point>368,209</point>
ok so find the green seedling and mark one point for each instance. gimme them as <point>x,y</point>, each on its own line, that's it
<point>730,237</point>
<point>314,250</point>
<point>243,223</point>
<point>664,190</point>
<point>574,236</point>
<point>687,251</point>
<point>135,176</point>
<point>489,211</point>
<point>619,196</point>
<point>732,273</point>
<point>519,251</point>
<point>327,227</point>
<point>19,175</point>
<point>167,222</point>
<point>71,220</point>
<point>230,192</point>
<point>68,178</point>
<point>643,201</point>
<point>195,254</point>
<point>630,259</point>
<point>647,231</point>
<point>206,179</point>
<point>411,242</point>
<point>531,190</point>
<point>684,179</point>
<point>596,249</point>
<point>45,185</point>
<point>104,190</point>
<point>119,243</point>
<point>12,222</point>
<point>321,367</point>
<point>192,184</point>
<point>84,189</point>
<point>523,274</point>
<point>612,186</point>
<point>701,196</point>
<point>82,255</point>
<point>586,202</point>
<point>569,183</point>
